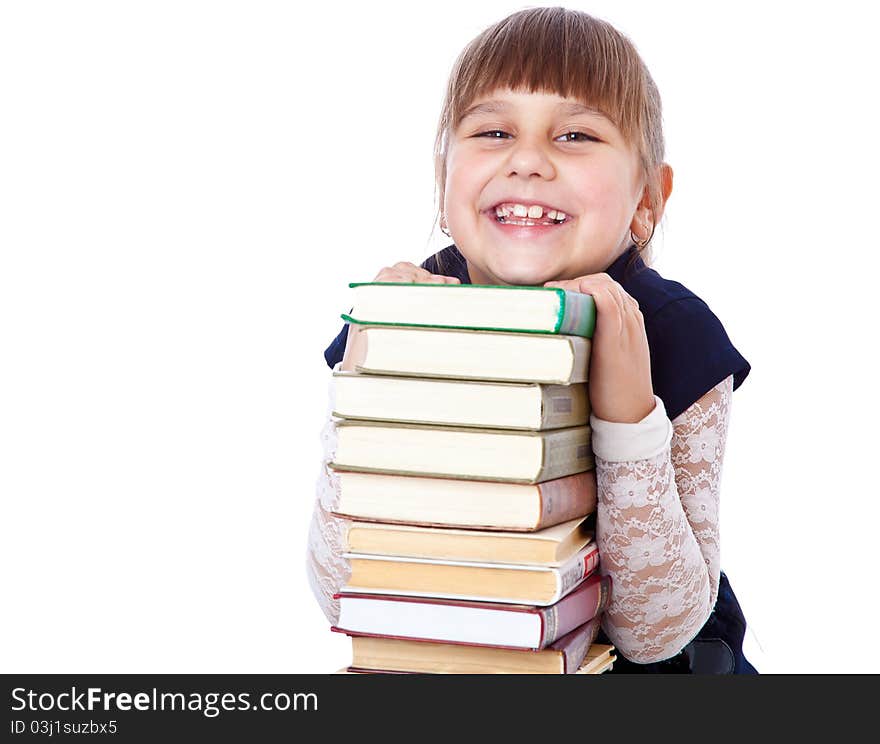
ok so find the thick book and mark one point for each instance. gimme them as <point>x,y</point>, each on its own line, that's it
<point>474,306</point>
<point>471,355</point>
<point>563,656</point>
<point>462,452</point>
<point>512,583</point>
<point>471,622</point>
<point>551,546</point>
<point>449,502</point>
<point>478,403</point>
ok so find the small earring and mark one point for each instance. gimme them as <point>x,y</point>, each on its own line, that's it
<point>636,240</point>
<point>445,230</point>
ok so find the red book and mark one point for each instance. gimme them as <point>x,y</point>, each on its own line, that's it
<point>472,622</point>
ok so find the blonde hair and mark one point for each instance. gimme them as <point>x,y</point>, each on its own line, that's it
<point>569,53</point>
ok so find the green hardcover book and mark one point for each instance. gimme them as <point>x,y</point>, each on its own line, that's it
<point>479,307</point>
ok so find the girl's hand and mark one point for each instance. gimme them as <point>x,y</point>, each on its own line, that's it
<point>408,273</point>
<point>620,364</point>
<point>403,272</point>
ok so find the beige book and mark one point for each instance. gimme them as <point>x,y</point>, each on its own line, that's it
<point>460,452</point>
<point>503,405</point>
<point>471,355</point>
<point>453,502</point>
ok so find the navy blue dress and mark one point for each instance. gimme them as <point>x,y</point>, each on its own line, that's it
<point>690,354</point>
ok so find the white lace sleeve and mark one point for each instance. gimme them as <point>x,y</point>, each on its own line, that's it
<point>657,525</point>
<point>327,570</point>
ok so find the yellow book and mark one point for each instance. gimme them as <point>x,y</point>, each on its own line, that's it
<point>493,582</point>
<point>565,656</point>
<point>551,546</point>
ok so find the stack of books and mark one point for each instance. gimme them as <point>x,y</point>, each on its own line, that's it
<point>466,472</point>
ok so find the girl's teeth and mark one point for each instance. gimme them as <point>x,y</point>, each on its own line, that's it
<point>534,212</point>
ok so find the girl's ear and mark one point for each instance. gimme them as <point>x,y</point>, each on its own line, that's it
<point>646,215</point>
<point>665,190</point>
<point>665,187</point>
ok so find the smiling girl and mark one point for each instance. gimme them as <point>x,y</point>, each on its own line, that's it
<point>549,164</point>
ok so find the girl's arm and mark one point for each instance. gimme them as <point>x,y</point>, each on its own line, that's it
<point>657,523</point>
<point>327,570</point>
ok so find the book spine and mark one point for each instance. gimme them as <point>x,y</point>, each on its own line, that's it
<point>591,560</point>
<point>575,650</point>
<point>564,454</point>
<point>579,567</point>
<point>578,607</point>
<point>565,498</point>
<point>564,405</point>
<point>577,316</point>
<point>580,363</point>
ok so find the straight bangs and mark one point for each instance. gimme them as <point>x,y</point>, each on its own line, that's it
<point>553,51</point>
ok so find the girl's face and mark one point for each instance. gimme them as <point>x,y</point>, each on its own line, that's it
<point>537,149</point>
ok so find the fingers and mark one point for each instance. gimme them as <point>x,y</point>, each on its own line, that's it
<point>607,297</point>
<point>610,297</point>
<point>404,272</point>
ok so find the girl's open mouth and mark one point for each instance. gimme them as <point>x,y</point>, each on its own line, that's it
<point>524,227</point>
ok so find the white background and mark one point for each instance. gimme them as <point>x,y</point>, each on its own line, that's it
<point>186,189</point>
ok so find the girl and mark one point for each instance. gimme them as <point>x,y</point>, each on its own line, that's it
<point>549,166</point>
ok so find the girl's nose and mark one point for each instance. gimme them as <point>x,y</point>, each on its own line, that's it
<point>529,157</point>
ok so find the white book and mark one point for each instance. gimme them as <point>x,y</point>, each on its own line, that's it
<point>470,621</point>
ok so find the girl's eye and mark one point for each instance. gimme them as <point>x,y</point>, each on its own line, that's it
<point>492,132</point>
<point>589,137</point>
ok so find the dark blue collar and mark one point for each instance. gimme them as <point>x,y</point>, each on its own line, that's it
<point>455,264</point>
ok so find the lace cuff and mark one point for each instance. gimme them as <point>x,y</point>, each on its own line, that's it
<point>618,442</point>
